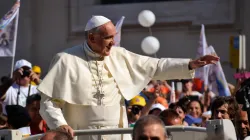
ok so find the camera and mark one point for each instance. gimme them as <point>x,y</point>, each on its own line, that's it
<point>136,109</point>
<point>26,73</point>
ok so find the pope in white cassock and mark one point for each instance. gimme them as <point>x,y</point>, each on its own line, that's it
<point>86,85</point>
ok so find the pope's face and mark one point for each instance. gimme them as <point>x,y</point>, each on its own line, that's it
<point>103,40</point>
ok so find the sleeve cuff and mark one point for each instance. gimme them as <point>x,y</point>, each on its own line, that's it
<point>187,67</point>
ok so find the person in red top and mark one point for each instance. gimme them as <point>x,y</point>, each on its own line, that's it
<point>37,125</point>
<point>197,85</point>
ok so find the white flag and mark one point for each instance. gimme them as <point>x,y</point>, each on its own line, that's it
<point>202,73</point>
<point>8,29</point>
<point>118,27</point>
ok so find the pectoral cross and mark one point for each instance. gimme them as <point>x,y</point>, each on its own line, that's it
<point>99,97</point>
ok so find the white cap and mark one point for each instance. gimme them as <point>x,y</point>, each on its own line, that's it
<point>158,106</point>
<point>21,63</point>
<point>96,21</point>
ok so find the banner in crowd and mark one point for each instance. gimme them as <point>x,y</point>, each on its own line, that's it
<point>217,77</point>
<point>118,27</point>
<point>202,73</point>
<point>212,75</point>
<point>8,29</point>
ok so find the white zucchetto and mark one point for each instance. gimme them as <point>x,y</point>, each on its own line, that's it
<point>96,21</point>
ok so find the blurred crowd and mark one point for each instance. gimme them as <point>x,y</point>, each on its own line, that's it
<point>178,102</point>
<point>20,100</point>
<point>192,105</point>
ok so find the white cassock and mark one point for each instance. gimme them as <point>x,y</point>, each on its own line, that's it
<point>70,85</point>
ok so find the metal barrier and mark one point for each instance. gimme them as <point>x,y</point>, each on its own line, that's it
<point>125,131</point>
<point>10,134</point>
<point>214,128</point>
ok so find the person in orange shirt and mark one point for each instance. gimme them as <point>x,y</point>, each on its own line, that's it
<point>164,87</point>
<point>162,101</point>
<point>161,92</point>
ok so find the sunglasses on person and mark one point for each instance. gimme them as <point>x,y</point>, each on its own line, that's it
<point>136,109</point>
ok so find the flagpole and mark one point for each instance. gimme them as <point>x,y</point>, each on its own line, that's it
<point>14,43</point>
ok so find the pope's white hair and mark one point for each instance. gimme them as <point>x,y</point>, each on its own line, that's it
<point>94,30</point>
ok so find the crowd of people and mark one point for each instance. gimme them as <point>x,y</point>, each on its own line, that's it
<point>195,110</point>
<point>192,108</point>
<point>20,101</point>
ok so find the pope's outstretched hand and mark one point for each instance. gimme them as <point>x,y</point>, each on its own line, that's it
<point>202,61</point>
<point>67,129</point>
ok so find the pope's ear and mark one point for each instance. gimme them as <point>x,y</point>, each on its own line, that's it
<point>91,38</point>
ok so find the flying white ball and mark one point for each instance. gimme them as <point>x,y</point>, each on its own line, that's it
<point>150,45</point>
<point>146,18</point>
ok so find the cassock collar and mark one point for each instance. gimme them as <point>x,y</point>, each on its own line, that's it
<point>90,52</point>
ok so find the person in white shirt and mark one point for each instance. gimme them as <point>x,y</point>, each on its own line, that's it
<point>21,88</point>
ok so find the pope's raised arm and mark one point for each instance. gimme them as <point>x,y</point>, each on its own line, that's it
<point>164,68</point>
<point>151,68</point>
<point>173,68</point>
<point>160,68</point>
